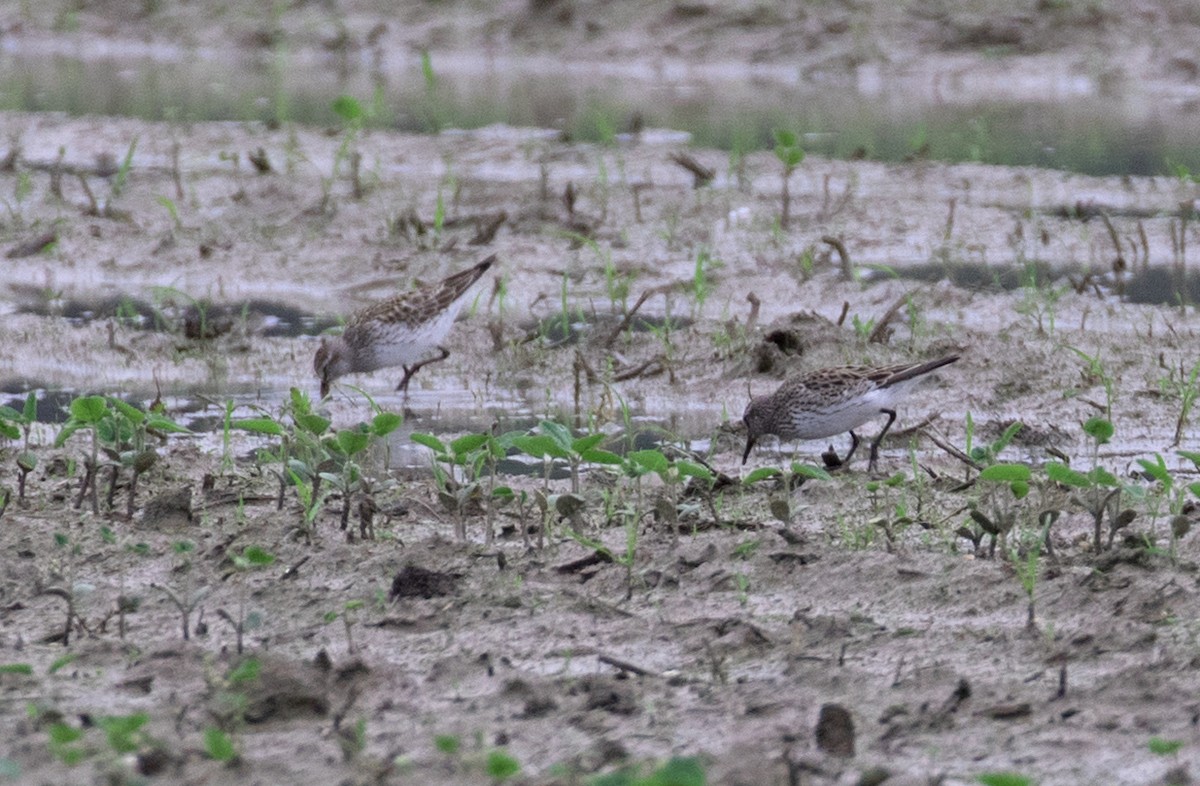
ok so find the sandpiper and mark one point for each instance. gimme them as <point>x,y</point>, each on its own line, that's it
<point>832,401</point>
<point>399,331</point>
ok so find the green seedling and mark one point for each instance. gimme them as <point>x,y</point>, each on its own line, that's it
<point>987,454</point>
<point>679,771</point>
<point>1027,574</point>
<point>251,558</point>
<point>500,765</point>
<point>219,746</point>
<point>458,481</point>
<point>1004,779</point>
<point>86,413</point>
<point>14,425</point>
<point>1185,386</point>
<point>349,615</point>
<point>790,154</point>
<point>1160,746</point>
<point>184,598</point>
<point>1097,372</point>
<point>1001,487</point>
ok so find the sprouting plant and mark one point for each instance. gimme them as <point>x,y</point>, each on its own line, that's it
<point>1096,372</point>
<point>184,597</point>
<point>679,771</point>
<point>1027,574</point>
<point>788,479</point>
<point>251,558</point>
<point>500,765</point>
<point>1004,779</point>
<point>86,412</point>
<point>987,454</point>
<point>701,284</point>
<point>349,615</point>
<point>1039,299</point>
<point>1001,488</point>
<point>1185,387</point>
<point>458,480</point>
<point>1097,491</point>
<point>229,709</point>
<point>169,205</point>
<point>863,328</point>
<point>790,154</point>
<point>344,447</point>
<point>14,425</point>
<point>1161,746</point>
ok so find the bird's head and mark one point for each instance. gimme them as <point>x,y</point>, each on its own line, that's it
<point>332,361</point>
<point>757,419</point>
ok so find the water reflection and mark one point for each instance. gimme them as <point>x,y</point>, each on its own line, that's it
<point>1081,131</point>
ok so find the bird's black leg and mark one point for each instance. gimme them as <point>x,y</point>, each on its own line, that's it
<point>410,370</point>
<point>891,413</point>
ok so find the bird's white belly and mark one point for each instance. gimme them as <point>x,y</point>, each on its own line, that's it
<point>403,345</point>
<point>834,419</point>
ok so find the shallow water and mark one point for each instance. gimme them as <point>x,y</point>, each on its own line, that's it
<point>1074,127</point>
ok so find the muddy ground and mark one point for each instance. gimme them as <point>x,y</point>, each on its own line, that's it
<point>724,644</point>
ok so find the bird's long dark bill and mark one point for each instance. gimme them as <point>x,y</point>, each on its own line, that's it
<point>324,388</point>
<point>749,447</point>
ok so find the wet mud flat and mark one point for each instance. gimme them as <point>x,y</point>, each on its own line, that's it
<point>590,636</point>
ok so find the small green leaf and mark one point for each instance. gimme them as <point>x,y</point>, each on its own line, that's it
<point>539,446</point>
<point>257,555</point>
<point>762,473</point>
<point>447,743</point>
<point>166,425</point>
<point>385,423</point>
<point>9,431</point>
<point>1157,469</point>
<point>1004,779</point>
<point>259,426</point>
<point>29,411</point>
<point>1061,473</point>
<point>348,109</point>
<point>651,460</point>
<point>89,409</point>
<point>587,442</point>
<point>122,730</point>
<point>597,456</point>
<point>1191,456</point>
<point>1099,429</point>
<point>217,745</point>
<point>501,765</point>
<point>689,469</point>
<point>1019,488</point>
<point>351,441</point>
<point>784,137</point>
<point>246,671</point>
<point>61,661</point>
<point>64,734</point>
<point>431,442</point>
<point>135,415</point>
<point>313,424</point>
<point>1006,473</point>
<point>468,443</point>
<point>680,771</point>
<point>809,471</point>
<point>557,432</point>
<point>16,668</point>
<point>1164,747</point>
<point>1102,477</point>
